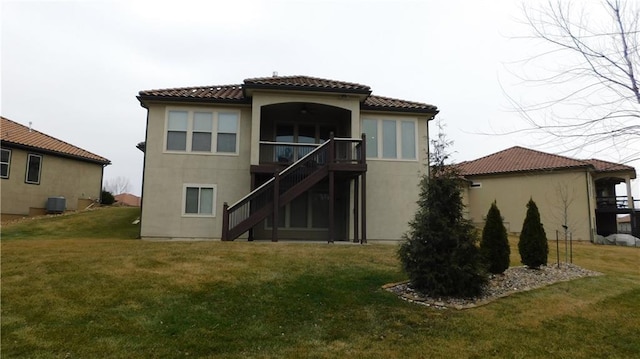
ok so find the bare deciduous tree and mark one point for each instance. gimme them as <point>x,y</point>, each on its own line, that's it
<point>117,185</point>
<point>587,62</point>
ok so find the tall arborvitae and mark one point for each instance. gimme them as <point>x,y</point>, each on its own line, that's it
<point>494,245</point>
<point>439,251</point>
<point>533,245</point>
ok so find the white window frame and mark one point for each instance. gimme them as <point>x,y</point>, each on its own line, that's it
<point>380,138</point>
<point>183,204</point>
<point>190,130</point>
<point>26,172</point>
<point>8,163</point>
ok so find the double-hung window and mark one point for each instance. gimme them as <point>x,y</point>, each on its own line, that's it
<point>390,139</point>
<point>177,125</point>
<point>34,167</point>
<point>202,131</point>
<point>227,132</point>
<point>199,200</point>
<point>5,162</point>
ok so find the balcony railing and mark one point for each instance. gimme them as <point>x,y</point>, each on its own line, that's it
<point>347,150</point>
<point>619,202</point>
<point>284,152</point>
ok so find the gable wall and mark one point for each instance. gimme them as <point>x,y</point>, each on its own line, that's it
<point>512,192</point>
<point>60,176</point>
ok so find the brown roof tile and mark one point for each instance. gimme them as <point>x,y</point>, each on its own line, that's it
<point>307,82</point>
<point>378,102</point>
<point>223,93</point>
<point>517,159</point>
<point>13,133</point>
<point>235,93</point>
<point>605,166</point>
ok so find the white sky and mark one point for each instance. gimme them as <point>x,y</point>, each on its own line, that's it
<point>73,68</point>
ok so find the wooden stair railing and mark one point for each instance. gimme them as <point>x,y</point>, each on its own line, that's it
<point>289,183</point>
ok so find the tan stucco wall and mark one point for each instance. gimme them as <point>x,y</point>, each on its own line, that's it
<point>165,175</point>
<point>60,177</point>
<point>512,192</point>
<point>392,185</point>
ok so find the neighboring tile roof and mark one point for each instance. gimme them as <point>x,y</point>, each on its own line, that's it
<point>13,133</point>
<point>519,159</point>
<point>128,199</point>
<point>237,94</point>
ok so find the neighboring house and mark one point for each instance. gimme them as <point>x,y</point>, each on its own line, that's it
<point>297,137</point>
<point>35,167</point>
<point>127,199</point>
<point>580,194</point>
<point>624,224</point>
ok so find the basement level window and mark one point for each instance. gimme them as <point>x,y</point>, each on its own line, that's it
<point>476,185</point>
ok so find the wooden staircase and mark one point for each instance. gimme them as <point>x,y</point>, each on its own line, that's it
<point>337,154</point>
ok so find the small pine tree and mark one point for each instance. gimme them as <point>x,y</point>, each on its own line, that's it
<point>533,246</point>
<point>494,245</point>
<point>106,198</point>
<point>439,251</point>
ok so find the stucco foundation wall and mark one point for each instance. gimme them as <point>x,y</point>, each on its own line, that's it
<point>547,189</point>
<point>165,175</point>
<point>59,177</point>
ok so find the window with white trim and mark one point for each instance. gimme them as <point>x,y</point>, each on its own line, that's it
<point>202,131</point>
<point>390,139</point>
<point>199,200</point>
<point>5,162</point>
<point>34,167</point>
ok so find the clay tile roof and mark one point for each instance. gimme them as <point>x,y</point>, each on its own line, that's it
<point>605,166</point>
<point>378,102</point>
<point>230,93</point>
<point>237,94</point>
<point>13,133</point>
<point>306,82</point>
<point>517,159</point>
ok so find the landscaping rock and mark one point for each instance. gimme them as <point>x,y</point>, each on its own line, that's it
<point>513,280</point>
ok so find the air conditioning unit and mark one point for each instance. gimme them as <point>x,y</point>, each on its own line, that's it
<point>56,205</point>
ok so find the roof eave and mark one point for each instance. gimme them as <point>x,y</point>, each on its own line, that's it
<point>145,99</point>
<point>553,169</point>
<point>10,144</point>
<point>423,111</point>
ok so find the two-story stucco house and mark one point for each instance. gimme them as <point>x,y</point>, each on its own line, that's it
<point>281,158</point>
<point>36,167</point>
<point>579,194</point>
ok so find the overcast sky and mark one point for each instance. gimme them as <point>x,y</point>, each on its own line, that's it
<point>73,68</point>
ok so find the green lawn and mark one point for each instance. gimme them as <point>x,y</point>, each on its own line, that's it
<point>80,286</point>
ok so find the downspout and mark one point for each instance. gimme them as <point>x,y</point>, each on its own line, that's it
<point>101,183</point>
<point>590,211</point>
<point>144,164</point>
